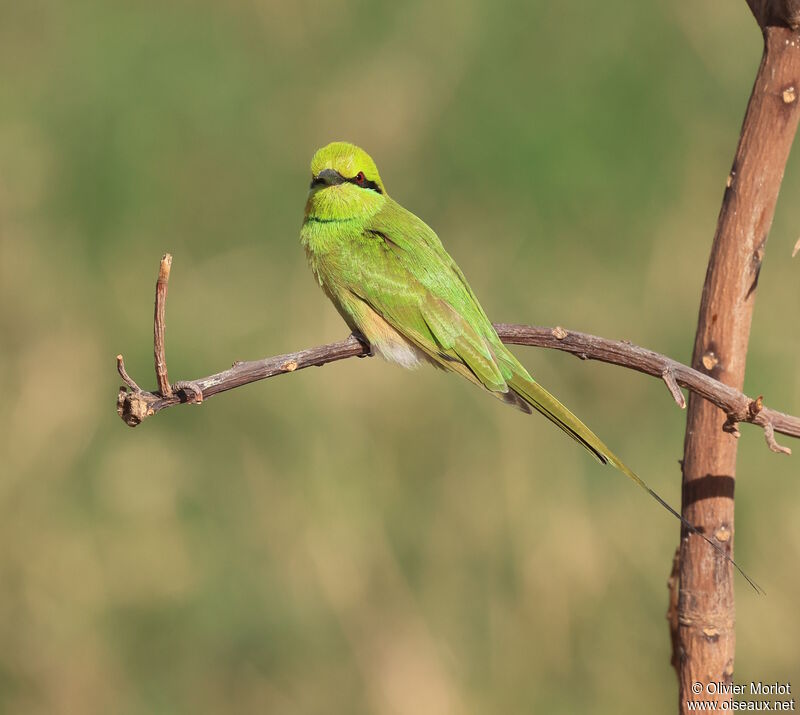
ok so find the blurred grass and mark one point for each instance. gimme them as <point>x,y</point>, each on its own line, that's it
<point>360,539</point>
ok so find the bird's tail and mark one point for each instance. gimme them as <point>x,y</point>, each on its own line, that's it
<point>542,401</point>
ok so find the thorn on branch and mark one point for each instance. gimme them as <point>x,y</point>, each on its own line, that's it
<point>668,375</point>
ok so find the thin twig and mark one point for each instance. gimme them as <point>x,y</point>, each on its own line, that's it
<point>159,326</point>
<point>123,373</point>
<point>769,435</point>
<point>674,389</point>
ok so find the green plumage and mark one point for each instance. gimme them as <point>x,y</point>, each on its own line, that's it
<point>392,281</point>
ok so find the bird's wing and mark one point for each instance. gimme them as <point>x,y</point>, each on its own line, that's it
<point>404,274</point>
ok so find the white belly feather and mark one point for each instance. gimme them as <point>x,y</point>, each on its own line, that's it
<point>400,351</point>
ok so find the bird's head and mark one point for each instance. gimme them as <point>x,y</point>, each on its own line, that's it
<point>344,183</point>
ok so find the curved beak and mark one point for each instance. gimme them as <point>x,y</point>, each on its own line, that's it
<point>327,177</point>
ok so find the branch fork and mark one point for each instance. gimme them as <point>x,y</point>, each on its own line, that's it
<point>136,405</point>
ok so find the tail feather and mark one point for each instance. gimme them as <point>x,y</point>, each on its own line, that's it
<point>542,401</point>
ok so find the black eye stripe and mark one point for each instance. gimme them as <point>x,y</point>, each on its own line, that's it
<point>366,184</point>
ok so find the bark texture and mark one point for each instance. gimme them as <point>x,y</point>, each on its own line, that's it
<point>705,642</point>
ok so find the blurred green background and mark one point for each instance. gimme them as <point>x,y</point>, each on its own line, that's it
<point>361,539</point>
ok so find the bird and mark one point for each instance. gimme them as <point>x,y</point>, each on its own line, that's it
<point>400,292</point>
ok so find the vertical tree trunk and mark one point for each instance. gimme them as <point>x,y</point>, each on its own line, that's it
<point>704,637</point>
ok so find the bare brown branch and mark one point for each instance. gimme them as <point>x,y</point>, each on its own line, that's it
<point>705,645</point>
<point>135,405</point>
<point>159,326</point>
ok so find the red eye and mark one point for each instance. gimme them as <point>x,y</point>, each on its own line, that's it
<point>360,178</point>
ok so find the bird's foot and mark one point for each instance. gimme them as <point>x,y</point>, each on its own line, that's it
<point>358,336</point>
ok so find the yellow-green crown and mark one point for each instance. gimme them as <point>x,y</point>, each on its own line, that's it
<point>346,159</point>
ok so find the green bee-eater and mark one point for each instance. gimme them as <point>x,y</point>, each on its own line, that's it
<point>390,278</point>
